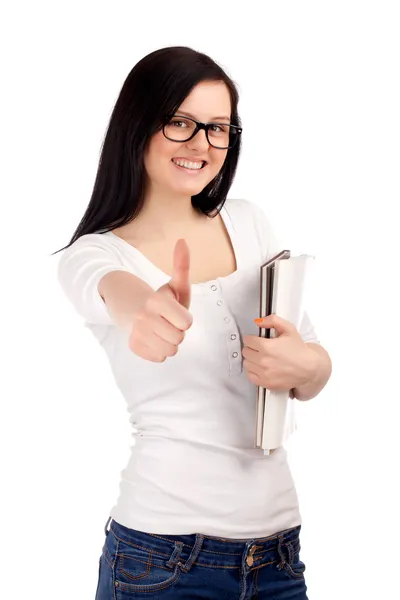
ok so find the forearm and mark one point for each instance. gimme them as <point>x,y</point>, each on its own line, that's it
<point>322,371</point>
<point>124,295</point>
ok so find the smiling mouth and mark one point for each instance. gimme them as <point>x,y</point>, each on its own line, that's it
<point>190,168</point>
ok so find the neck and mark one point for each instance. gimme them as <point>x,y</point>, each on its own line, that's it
<point>168,213</point>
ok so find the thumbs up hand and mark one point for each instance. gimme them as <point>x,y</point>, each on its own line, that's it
<point>179,282</point>
<point>159,327</point>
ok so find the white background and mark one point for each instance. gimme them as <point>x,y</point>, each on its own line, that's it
<point>320,109</point>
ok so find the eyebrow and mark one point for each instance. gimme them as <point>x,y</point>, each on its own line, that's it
<point>187,114</point>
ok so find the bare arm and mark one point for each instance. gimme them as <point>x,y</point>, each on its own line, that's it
<point>323,371</point>
<point>156,320</point>
<point>124,295</point>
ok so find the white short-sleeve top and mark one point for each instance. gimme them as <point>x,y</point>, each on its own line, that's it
<point>193,467</point>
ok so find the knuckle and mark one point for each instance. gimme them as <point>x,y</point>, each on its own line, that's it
<point>153,303</point>
<point>140,318</point>
<point>137,349</point>
<point>158,355</point>
<point>188,321</point>
<point>140,330</point>
<point>180,336</point>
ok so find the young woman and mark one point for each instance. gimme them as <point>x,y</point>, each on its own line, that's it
<point>165,271</point>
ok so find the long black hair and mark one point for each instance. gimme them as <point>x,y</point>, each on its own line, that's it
<point>155,88</point>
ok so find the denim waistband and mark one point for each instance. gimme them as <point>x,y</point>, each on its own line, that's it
<point>209,550</point>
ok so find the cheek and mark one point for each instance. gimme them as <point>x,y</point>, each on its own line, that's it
<point>158,151</point>
<point>218,160</point>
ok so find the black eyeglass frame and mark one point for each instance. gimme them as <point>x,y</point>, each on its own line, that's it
<point>205,126</point>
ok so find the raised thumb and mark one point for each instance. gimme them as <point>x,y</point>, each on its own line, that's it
<point>180,275</point>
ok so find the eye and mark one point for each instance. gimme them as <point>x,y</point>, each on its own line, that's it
<point>179,124</point>
<point>219,128</point>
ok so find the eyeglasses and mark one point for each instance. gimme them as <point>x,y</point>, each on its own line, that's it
<point>219,135</point>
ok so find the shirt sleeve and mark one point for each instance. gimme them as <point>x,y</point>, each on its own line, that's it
<point>79,271</point>
<point>269,246</point>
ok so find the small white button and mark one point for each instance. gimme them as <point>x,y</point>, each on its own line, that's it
<point>226,319</point>
<point>235,354</point>
<point>219,302</point>
<point>233,336</point>
<point>214,288</point>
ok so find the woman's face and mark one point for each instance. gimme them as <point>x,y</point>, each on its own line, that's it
<point>209,101</point>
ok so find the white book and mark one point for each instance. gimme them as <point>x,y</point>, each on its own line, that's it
<point>282,284</point>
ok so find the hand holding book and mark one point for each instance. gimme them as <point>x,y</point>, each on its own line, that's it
<point>280,363</point>
<point>278,360</point>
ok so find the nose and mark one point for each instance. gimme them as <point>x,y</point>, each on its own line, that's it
<point>199,141</point>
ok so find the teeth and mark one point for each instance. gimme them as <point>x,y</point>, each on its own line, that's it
<point>187,164</point>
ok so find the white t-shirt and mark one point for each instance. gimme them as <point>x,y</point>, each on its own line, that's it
<point>193,467</point>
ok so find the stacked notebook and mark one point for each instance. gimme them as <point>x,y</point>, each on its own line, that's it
<point>282,283</point>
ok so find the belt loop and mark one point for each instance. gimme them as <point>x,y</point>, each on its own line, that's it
<point>175,555</point>
<point>106,532</point>
<point>194,553</point>
<point>291,553</point>
<point>281,554</point>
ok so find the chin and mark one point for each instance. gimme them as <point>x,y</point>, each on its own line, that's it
<point>188,190</point>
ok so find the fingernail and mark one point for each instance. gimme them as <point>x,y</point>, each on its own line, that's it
<point>258,321</point>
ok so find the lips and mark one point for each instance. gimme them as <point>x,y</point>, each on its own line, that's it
<point>190,160</point>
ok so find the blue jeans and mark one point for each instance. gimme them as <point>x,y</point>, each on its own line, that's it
<point>138,566</point>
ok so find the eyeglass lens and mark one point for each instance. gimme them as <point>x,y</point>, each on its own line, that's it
<point>220,135</point>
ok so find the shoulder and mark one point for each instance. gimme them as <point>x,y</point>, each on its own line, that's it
<point>81,267</point>
<point>239,206</point>
<point>91,243</point>
<point>251,219</point>
<point>244,208</point>
<point>88,252</point>
<point>245,212</point>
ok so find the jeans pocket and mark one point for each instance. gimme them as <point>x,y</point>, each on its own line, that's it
<point>140,570</point>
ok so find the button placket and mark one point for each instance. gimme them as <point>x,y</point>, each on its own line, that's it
<point>234,354</point>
